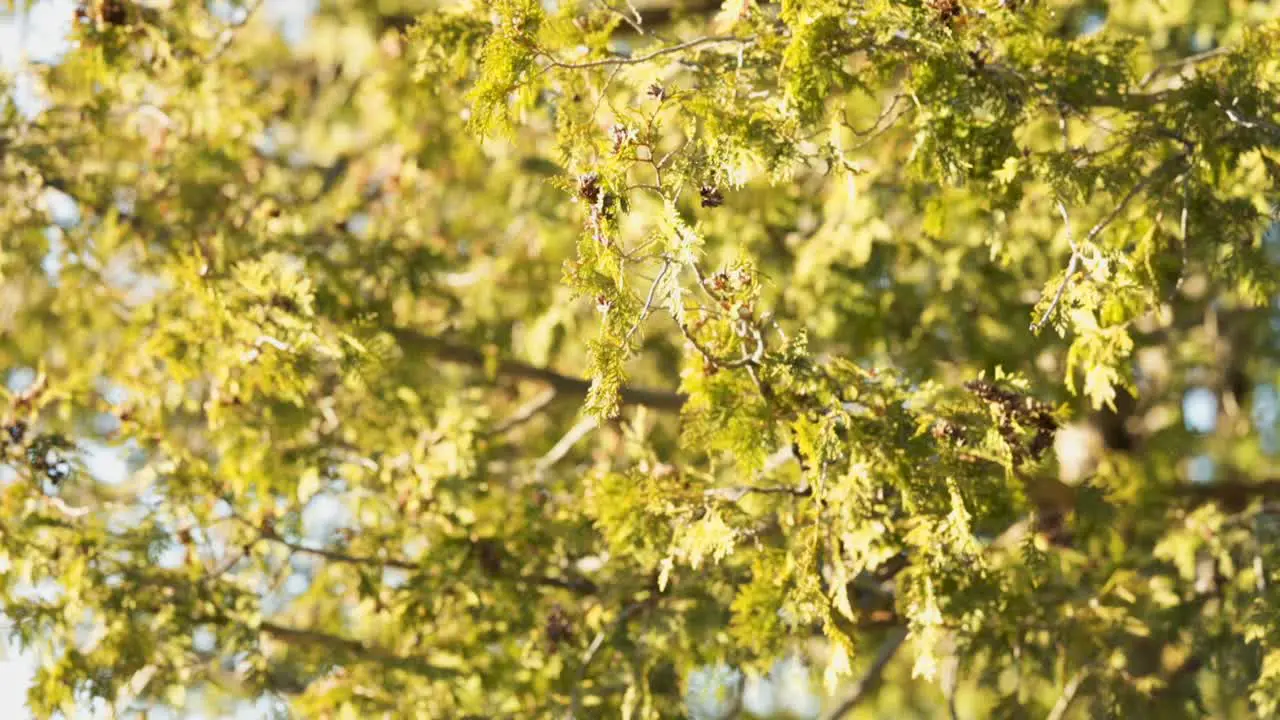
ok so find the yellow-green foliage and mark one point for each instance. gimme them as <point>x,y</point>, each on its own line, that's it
<point>519,359</point>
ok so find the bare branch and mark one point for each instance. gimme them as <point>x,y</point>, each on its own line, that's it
<point>631,18</point>
<point>747,359</point>
<point>734,494</point>
<point>579,585</point>
<point>1230,492</point>
<point>1133,192</point>
<point>878,127</point>
<point>70,511</point>
<point>662,13</point>
<point>1182,229</point>
<point>354,649</point>
<point>875,125</point>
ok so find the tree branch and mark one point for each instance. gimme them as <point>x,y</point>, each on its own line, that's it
<point>773,462</point>
<point>648,302</point>
<point>355,649</point>
<point>1183,63</point>
<point>1229,493</point>
<point>566,443</point>
<point>1249,121</point>
<point>656,13</point>
<point>578,585</point>
<point>525,412</point>
<point>868,683</point>
<point>575,704</point>
<point>1074,263</point>
<point>414,341</point>
<point>1068,695</point>
<point>638,59</point>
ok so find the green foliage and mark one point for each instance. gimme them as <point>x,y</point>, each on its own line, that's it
<point>519,359</point>
<point>506,60</point>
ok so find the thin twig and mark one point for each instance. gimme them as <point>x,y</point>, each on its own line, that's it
<point>874,126</point>
<point>702,282</point>
<point>635,20</point>
<point>1072,265</point>
<point>648,302</point>
<point>639,59</point>
<point>525,412</point>
<point>562,448</point>
<point>865,685</point>
<point>741,362</point>
<point>734,494</point>
<point>950,683</point>
<point>662,163</point>
<point>878,128</point>
<point>229,33</point>
<point>575,707</point>
<point>1182,63</point>
<point>771,463</point>
<point>779,458</point>
<point>1068,695</point>
<point>70,511</point>
<point>604,91</point>
<point>132,689</point>
<point>1133,192</point>
<point>748,358</point>
<point>1229,492</point>
<point>657,189</point>
<point>1249,121</point>
<point>579,585</point>
<point>1182,229</point>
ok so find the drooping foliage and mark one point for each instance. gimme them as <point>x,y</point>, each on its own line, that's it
<point>529,359</point>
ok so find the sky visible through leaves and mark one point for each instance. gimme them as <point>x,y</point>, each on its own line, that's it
<point>38,35</point>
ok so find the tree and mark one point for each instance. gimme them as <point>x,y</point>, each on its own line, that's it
<point>524,359</point>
